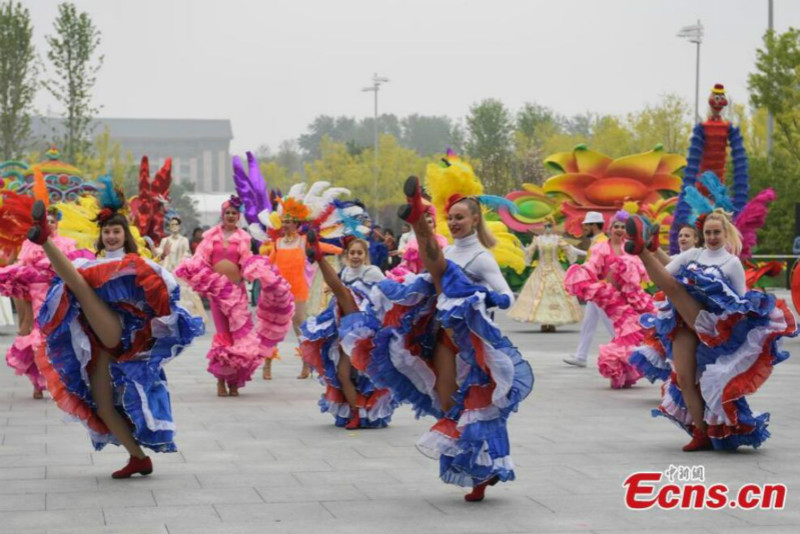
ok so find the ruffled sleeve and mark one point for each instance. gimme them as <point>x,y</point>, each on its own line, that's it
<point>205,247</point>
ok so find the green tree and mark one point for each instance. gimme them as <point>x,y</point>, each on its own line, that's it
<point>105,156</point>
<point>490,136</point>
<point>775,86</point>
<point>427,135</point>
<point>753,126</point>
<point>355,172</point>
<point>612,137</point>
<point>667,123</point>
<point>777,234</point>
<point>533,126</point>
<point>75,65</point>
<point>536,122</point>
<point>18,72</point>
<point>181,202</point>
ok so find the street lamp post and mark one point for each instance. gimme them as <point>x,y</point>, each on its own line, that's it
<point>374,88</point>
<point>770,122</point>
<point>695,35</point>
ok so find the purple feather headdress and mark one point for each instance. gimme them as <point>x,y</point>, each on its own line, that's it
<point>620,216</point>
<point>233,202</point>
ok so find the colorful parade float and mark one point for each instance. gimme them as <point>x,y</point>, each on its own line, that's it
<point>665,187</point>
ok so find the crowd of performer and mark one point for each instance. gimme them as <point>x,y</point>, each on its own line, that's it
<point>384,322</point>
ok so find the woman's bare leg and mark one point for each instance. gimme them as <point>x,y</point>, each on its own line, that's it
<point>684,349</point>
<point>429,250</point>
<point>24,315</point>
<point>102,393</point>
<point>343,296</point>
<point>343,371</point>
<point>104,322</point>
<point>297,319</point>
<point>662,256</point>
<point>686,305</point>
<point>444,363</point>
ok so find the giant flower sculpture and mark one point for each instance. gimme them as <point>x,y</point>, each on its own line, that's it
<point>533,208</point>
<point>591,181</point>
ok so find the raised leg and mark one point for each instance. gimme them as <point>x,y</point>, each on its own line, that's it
<point>102,393</point>
<point>344,297</point>
<point>643,241</point>
<point>103,321</point>
<point>687,307</point>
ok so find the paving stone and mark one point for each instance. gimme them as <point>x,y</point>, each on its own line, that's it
<point>270,462</point>
<point>127,497</point>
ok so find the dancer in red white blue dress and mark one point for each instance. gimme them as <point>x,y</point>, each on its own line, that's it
<point>110,325</point>
<point>431,340</point>
<point>721,338</point>
<point>350,396</point>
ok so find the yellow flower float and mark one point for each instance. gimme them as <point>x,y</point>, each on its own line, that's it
<point>591,181</point>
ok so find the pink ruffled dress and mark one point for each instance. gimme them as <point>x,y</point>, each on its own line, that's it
<point>28,279</point>
<point>239,346</point>
<point>412,262</point>
<point>613,282</point>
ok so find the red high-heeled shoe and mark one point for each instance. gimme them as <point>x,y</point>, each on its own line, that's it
<point>40,230</point>
<point>642,234</point>
<point>355,422</point>
<point>700,442</point>
<point>142,466</point>
<point>313,250</point>
<point>478,491</point>
<point>414,209</point>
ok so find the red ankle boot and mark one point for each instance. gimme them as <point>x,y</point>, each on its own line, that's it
<point>143,466</point>
<point>355,422</point>
<point>313,251</point>
<point>40,230</point>
<point>414,209</point>
<point>642,234</point>
<point>476,495</point>
<point>700,442</point>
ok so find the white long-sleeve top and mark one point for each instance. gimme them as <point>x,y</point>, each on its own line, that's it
<point>479,264</point>
<point>729,264</point>
<point>368,274</point>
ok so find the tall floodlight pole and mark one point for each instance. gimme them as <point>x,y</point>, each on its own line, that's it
<point>770,124</point>
<point>695,35</point>
<point>374,88</point>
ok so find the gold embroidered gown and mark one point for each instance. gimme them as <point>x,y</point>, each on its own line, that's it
<point>543,299</point>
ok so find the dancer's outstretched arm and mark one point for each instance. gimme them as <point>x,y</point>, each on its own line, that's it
<point>102,319</point>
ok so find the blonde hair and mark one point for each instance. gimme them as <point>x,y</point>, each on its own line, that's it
<point>733,239</point>
<point>484,234</point>
<point>363,243</point>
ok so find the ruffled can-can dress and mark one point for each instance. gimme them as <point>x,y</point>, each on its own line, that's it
<point>394,345</point>
<point>322,338</point>
<point>154,331</point>
<point>739,345</point>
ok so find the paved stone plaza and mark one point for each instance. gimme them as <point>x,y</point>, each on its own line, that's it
<point>269,462</point>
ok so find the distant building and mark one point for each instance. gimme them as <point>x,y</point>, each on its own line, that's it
<point>200,148</point>
<point>209,207</point>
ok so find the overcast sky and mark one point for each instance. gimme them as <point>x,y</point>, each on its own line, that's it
<point>272,66</point>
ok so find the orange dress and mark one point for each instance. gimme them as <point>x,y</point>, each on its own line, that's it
<point>291,263</point>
